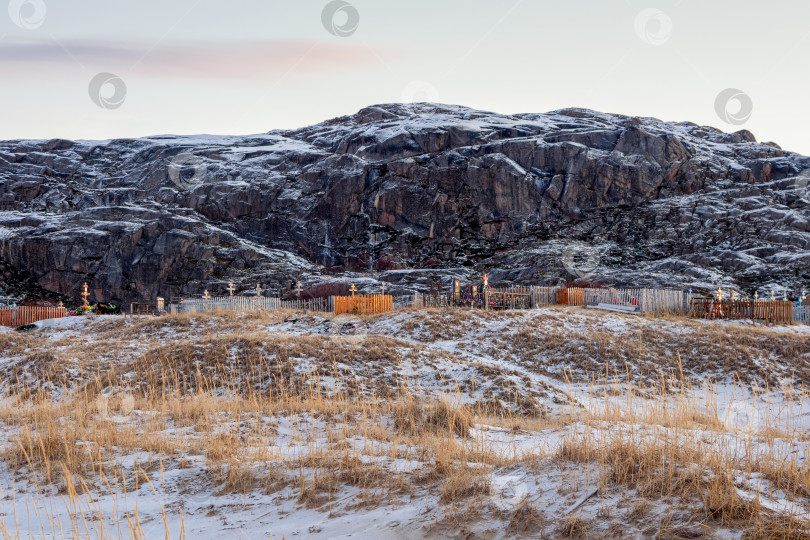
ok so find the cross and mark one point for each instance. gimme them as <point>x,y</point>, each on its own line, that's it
<point>773,295</point>
<point>231,288</point>
<point>298,288</point>
<point>353,289</point>
<point>486,281</point>
<point>60,304</point>
<point>383,287</point>
<point>756,295</point>
<point>206,295</point>
<point>719,294</point>
<point>259,289</point>
<point>85,294</point>
<point>733,294</point>
<point>784,295</point>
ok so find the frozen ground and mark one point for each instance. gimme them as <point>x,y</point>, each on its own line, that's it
<point>554,396</point>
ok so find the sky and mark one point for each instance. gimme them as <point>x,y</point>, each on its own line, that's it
<point>99,69</point>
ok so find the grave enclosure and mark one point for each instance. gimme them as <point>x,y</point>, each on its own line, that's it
<point>651,301</point>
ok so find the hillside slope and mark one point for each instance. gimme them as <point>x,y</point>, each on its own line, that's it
<point>529,198</point>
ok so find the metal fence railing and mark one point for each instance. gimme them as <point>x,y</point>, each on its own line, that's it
<point>801,314</point>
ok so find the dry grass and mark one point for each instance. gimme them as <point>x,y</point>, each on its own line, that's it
<point>314,416</point>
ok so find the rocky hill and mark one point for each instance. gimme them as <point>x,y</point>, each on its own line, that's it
<point>402,193</point>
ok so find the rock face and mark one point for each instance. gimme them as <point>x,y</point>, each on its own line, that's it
<point>397,189</point>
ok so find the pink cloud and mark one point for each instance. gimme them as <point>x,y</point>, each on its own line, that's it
<point>228,60</point>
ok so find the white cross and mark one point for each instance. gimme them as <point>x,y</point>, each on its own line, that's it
<point>231,288</point>
<point>298,288</point>
<point>206,295</point>
<point>383,287</point>
<point>258,289</point>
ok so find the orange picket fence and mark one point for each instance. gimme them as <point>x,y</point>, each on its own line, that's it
<point>575,296</point>
<point>29,314</point>
<point>364,303</point>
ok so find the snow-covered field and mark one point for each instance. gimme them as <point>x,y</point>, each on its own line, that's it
<point>438,424</point>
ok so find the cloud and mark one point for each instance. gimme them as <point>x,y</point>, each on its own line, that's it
<point>213,60</point>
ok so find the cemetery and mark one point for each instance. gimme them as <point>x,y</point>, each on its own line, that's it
<point>721,305</point>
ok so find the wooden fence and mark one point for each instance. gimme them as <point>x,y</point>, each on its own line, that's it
<point>20,316</point>
<point>312,304</point>
<point>250,303</point>
<point>544,296</point>
<point>227,303</point>
<point>364,303</point>
<point>770,311</point>
<point>646,300</point>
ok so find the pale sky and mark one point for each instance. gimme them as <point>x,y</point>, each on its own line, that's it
<point>250,66</point>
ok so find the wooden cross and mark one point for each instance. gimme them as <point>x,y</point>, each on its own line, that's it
<point>298,288</point>
<point>259,289</point>
<point>756,295</point>
<point>85,294</point>
<point>719,294</point>
<point>353,289</point>
<point>383,287</point>
<point>773,295</point>
<point>60,304</point>
<point>231,288</point>
<point>206,295</point>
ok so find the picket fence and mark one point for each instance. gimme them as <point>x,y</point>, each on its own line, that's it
<point>364,303</point>
<point>20,316</point>
<point>801,314</point>
<point>776,311</point>
<point>647,300</point>
<point>250,303</point>
<point>544,296</point>
<point>313,304</point>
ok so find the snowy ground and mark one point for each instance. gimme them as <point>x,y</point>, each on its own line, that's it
<point>563,380</point>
